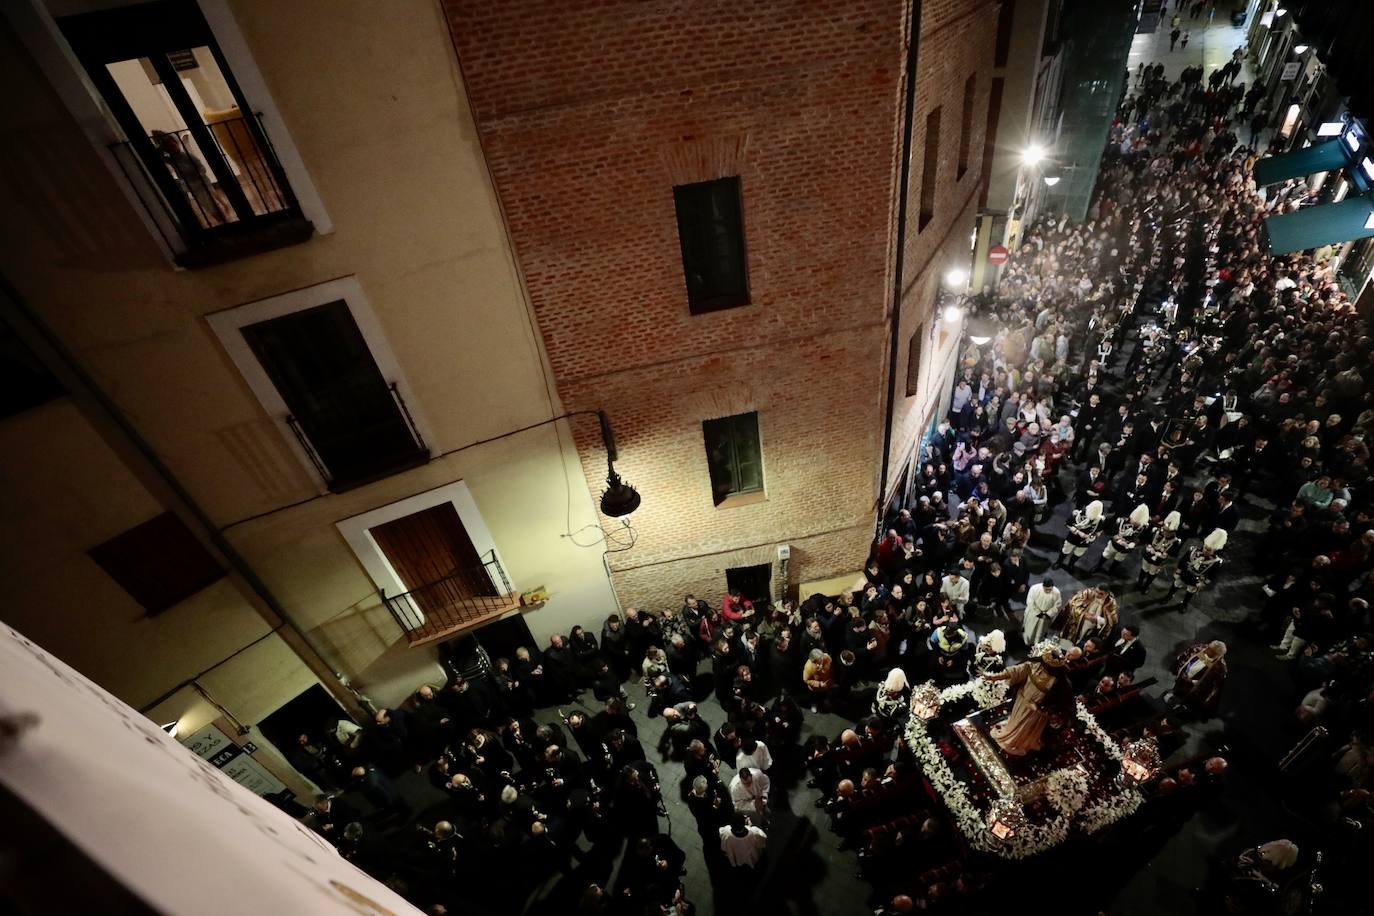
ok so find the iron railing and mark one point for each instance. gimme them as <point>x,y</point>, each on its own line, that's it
<point>176,182</point>
<point>463,598</point>
<point>386,463</point>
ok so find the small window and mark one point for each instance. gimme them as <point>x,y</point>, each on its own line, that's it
<point>966,128</point>
<point>913,364</point>
<point>160,563</point>
<point>351,422</point>
<point>711,234</point>
<point>733,456</point>
<point>24,381</point>
<point>930,168</point>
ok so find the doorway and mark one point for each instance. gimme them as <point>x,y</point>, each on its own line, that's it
<point>434,558</point>
<point>315,713</point>
<point>753,582</point>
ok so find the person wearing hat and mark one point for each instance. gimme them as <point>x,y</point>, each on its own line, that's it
<point>1044,697</point>
<point>990,656</point>
<point>1163,544</point>
<point>1129,530</point>
<point>1083,531</point>
<point>891,699</point>
<point>1193,572</point>
<point>1199,676</point>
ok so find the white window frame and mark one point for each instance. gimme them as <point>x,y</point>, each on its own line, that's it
<point>227,325</point>
<point>39,33</point>
<point>356,532</point>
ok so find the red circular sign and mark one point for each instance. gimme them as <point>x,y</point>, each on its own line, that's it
<point>998,254</point>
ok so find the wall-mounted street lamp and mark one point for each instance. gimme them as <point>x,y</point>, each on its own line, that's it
<point>619,498</point>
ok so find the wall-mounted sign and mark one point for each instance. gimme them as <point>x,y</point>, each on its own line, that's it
<point>212,744</point>
<point>1290,71</point>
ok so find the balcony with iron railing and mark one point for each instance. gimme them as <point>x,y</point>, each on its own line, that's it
<point>347,455</point>
<point>201,217</point>
<point>462,600</point>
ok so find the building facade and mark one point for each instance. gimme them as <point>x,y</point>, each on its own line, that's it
<point>278,365</point>
<point>1023,116</point>
<point>703,201</point>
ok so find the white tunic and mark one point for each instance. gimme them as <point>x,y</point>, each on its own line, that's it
<point>1041,608</point>
<point>743,850</point>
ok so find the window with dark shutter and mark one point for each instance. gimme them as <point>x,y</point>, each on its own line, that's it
<point>160,563</point>
<point>930,168</point>
<point>733,455</point>
<point>711,233</point>
<point>913,364</point>
<point>350,419</point>
<point>966,127</point>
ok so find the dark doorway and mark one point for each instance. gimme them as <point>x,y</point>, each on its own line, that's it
<point>753,582</point>
<point>474,653</point>
<point>313,712</point>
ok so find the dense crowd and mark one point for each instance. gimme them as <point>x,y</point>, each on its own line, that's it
<point>1154,368</point>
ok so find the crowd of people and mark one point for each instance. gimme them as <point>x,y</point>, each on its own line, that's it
<point>1154,369</point>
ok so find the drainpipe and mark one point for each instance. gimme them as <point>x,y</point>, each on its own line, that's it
<point>121,435</point>
<point>903,186</point>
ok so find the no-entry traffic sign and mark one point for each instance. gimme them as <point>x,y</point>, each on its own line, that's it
<point>998,254</point>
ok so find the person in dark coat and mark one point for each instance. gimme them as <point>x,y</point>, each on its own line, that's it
<point>615,646</point>
<point>560,667</point>
<point>1127,653</point>
<point>330,816</point>
<point>586,655</point>
<point>380,792</point>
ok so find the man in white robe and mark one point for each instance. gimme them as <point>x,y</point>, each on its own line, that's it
<point>1043,602</point>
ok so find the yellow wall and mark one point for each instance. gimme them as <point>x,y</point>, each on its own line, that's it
<point>373,101</point>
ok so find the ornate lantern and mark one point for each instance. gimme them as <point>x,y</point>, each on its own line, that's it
<point>1140,760</point>
<point>1006,818</point>
<point>925,701</point>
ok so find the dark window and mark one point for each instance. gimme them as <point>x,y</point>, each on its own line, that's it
<point>190,130</point>
<point>350,420</point>
<point>752,582</point>
<point>711,233</point>
<point>1004,21</point>
<point>990,134</point>
<point>966,127</point>
<point>733,455</point>
<point>913,364</point>
<point>930,168</point>
<point>159,563</point>
<point>24,381</point>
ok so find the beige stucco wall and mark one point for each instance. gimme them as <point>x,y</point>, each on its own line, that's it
<point>373,101</point>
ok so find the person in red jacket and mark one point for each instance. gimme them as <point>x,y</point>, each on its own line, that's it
<point>735,607</point>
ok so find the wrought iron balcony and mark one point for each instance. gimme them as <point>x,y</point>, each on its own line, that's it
<point>458,602</point>
<point>347,453</point>
<point>202,218</point>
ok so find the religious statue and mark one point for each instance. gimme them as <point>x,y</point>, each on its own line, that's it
<point>1091,612</point>
<point>1043,697</point>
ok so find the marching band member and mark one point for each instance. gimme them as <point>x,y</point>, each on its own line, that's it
<point>1193,572</point>
<point>1129,530</point>
<point>1163,545</point>
<point>1083,531</point>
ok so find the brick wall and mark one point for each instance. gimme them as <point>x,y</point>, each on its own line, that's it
<point>589,114</point>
